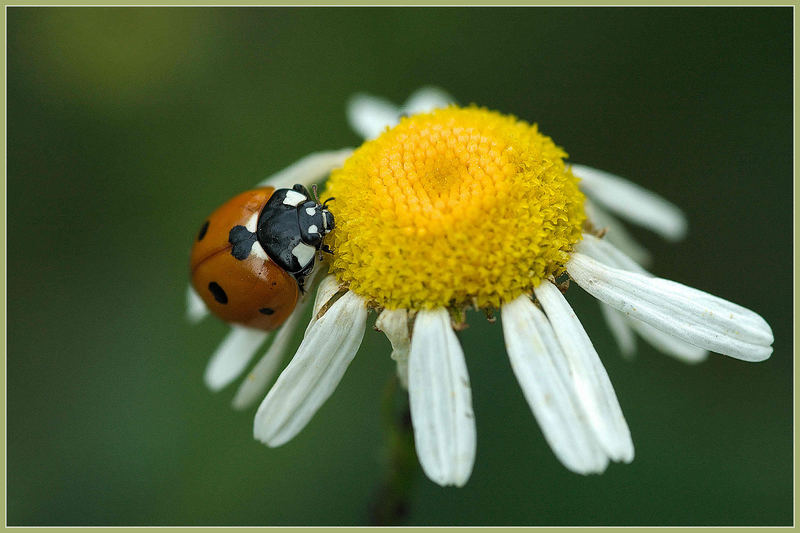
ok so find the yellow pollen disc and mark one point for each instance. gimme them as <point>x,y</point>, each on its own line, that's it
<point>454,208</point>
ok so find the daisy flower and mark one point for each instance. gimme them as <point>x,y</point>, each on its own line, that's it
<point>445,209</point>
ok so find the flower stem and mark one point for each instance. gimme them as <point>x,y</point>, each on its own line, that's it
<point>390,503</point>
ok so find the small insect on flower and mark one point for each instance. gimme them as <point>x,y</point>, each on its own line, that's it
<point>444,209</point>
<point>252,256</point>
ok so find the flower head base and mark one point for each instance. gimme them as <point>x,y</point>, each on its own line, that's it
<point>454,208</point>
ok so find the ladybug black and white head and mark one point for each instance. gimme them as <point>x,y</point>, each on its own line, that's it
<point>316,221</point>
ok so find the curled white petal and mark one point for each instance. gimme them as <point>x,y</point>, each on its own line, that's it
<point>369,115</point>
<point>310,169</point>
<point>590,380</point>
<point>314,372</point>
<point>632,202</point>
<point>620,330</point>
<point>691,315</point>
<point>256,382</point>
<point>394,324</point>
<point>441,400</point>
<point>196,309</point>
<point>608,254</point>
<point>542,372</point>
<point>232,356</point>
<point>426,99</point>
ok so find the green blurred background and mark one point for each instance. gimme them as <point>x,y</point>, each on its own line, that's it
<point>127,126</point>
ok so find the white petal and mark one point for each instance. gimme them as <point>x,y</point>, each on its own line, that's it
<point>609,255</point>
<point>232,356</point>
<point>327,288</point>
<point>691,315</point>
<point>632,202</point>
<point>314,372</point>
<point>369,115</point>
<point>196,309</point>
<point>617,234</point>
<point>425,100</point>
<point>541,370</point>
<point>620,329</point>
<point>394,324</point>
<point>256,382</point>
<point>441,400</point>
<point>604,252</point>
<point>590,379</point>
<point>310,169</point>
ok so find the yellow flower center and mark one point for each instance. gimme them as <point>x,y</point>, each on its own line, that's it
<point>454,208</point>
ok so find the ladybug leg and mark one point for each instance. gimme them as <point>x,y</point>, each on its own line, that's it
<point>327,249</point>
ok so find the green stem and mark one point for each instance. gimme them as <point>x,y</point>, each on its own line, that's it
<point>390,504</point>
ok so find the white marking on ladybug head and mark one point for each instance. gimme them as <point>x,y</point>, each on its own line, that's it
<point>304,253</point>
<point>251,223</point>
<point>313,228</point>
<point>258,251</point>
<point>311,211</point>
<point>293,198</point>
<point>325,220</point>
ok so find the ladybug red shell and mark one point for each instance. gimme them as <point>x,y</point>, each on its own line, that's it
<point>251,256</point>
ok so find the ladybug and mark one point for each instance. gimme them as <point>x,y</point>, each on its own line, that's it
<point>251,257</point>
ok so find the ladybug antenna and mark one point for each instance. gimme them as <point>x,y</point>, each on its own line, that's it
<point>314,190</point>
<point>332,198</point>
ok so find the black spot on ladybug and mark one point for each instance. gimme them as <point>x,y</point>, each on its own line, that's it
<point>266,311</point>
<point>218,292</point>
<point>242,240</point>
<point>203,231</point>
